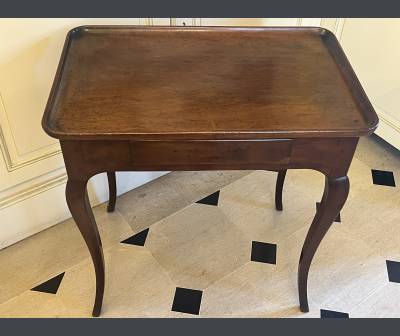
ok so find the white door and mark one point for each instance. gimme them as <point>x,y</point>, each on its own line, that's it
<point>32,174</point>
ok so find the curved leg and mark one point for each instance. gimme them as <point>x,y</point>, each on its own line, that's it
<point>333,199</point>
<point>112,187</point>
<point>78,203</point>
<point>278,190</point>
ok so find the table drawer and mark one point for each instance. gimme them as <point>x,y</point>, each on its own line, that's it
<point>218,152</point>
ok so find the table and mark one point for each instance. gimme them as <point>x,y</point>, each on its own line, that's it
<point>131,98</point>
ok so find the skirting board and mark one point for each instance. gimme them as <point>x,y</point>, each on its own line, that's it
<point>34,214</point>
<point>389,128</point>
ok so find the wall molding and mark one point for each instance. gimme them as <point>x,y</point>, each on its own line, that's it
<point>15,194</point>
<point>181,21</point>
<point>388,119</point>
<point>13,159</point>
<point>309,22</point>
<point>33,194</point>
<point>388,128</point>
<point>22,214</point>
<point>48,182</point>
<point>9,149</point>
<point>34,189</point>
<point>339,25</point>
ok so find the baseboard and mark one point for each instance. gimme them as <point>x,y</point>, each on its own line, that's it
<point>389,128</point>
<point>38,211</point>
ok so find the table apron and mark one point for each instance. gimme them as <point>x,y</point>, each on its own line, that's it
<point>87,157</point>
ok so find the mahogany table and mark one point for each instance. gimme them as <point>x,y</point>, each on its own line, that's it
<point>129,98</point>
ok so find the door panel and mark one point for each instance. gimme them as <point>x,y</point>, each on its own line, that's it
<point>32,173</point>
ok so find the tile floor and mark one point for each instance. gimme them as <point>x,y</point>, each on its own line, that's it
<point>211,244</point>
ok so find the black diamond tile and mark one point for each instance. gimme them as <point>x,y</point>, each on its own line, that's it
<point>210,199</point>
<point>393,269</point>
<point>137,239</point>
<point>263,252</point>
<point>337,219</point>
<point>333,314</point>
<point>383,177</point>
<point>50,286</point>
<point>187,300</point>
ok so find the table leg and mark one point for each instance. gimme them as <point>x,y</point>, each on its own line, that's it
<point>333,199</point>
<point>112,187</point>
<point>278,190</point>
<point>78,203</point>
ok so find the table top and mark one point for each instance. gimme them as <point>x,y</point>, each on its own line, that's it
<point>161,83</point>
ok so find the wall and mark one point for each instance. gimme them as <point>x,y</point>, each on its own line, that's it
<point>373,48</point>
<point>32,174</point>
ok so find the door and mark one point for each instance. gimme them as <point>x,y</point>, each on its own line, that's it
<point>32,173</point>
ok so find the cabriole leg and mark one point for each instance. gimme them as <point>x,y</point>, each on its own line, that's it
<point>278,190</point>
<point>78,203</point>
<point>333,199</point>
<point>112,187</point>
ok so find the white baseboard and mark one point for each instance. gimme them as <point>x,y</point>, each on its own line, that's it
<point>389,128</point>
<point>39,211</point>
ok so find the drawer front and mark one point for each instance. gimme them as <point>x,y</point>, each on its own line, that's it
<point>106,152</point>
<point>208,153</point>
<point>322,154</point>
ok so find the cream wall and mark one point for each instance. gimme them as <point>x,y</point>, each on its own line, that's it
<point>32,174</point>
<point>373,48</point>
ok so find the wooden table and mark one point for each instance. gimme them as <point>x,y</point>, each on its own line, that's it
<point>206,98</point>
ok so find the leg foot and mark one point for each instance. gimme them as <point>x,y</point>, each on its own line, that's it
<point>78,203</point>
<point>333,199</point>
<point>112,187</point>
<point>278,190</point>
<point>304,307</point>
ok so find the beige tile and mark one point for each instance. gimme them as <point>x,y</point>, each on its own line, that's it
<point>136,285</point>
<point>208,248</point>
<point>34,304</point>
<point>194,185</point>
<point>228,298</point>
<point>254,290</point>
<point>249,203</point>
<point>174,314</point>
<point>371,212</point>
<point>372,215</point>
<point>149,203</point>
<point>166,195</point>
<point>377,153</point>
<point>42,256</point>
<point>385,302</point>
<point>198,246</point>
<point>295,312</point>
<point>360,178</point>
<point>304,183</point>
<point>344,271</point>
<point>366,197</point>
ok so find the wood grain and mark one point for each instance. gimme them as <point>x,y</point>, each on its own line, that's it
<point>205,83</point>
